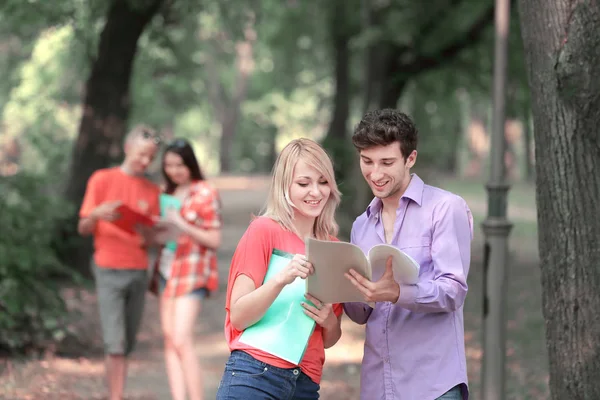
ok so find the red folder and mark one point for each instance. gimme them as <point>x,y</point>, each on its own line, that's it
<point>129,218</point>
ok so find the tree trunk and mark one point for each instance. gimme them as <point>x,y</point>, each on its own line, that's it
<point>527,141</point>
<point>561,39</point>
<point>371,87</point>
<point>337,136</point>
<point>455,134</point>
<point>337,141</point>
<point>272,131</point>
<point>226,145</point>
<point>228,111</point>
<point>105,109</point>
<point>466,119</point>
<point>371,63</point>
<point>392,81</point>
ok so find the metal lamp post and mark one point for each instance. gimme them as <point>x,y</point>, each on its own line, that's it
<point>496,226</point>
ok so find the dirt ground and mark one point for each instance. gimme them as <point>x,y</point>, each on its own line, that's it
<point>80,375</point>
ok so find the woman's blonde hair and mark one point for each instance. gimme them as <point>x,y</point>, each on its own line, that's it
<point>279,206</point>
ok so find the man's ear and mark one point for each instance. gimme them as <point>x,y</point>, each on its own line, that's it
<point>412,159</point>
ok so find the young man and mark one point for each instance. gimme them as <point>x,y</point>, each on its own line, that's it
<point>120,258</point>
<point>414,346</point>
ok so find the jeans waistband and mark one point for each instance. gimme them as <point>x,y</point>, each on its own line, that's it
<point>293,373</point>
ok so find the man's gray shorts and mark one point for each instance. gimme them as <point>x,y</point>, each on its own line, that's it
<point>121,297</point>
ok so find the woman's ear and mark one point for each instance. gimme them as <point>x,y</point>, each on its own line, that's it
<point>127,146</point>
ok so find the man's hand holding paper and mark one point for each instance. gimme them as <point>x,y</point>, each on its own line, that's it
<point>344,274</point>
<point>384,289</point>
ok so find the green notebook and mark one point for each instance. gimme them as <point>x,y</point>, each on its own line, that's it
<point>167,201</point>
<point>284,330</point>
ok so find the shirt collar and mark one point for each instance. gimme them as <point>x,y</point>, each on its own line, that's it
<point>414,192</point>
<point>374,207</point>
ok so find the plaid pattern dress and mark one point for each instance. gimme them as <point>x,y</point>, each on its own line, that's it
<point>195,266</point>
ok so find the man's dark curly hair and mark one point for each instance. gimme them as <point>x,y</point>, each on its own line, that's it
<point>384,127</point>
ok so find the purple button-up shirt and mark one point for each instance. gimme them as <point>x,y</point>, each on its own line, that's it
<point>415,349</point>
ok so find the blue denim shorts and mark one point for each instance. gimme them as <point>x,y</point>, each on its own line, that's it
<point>200,293</point>
<point>247,378</point>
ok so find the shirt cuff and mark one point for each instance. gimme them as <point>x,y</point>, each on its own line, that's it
<point>408,295</point>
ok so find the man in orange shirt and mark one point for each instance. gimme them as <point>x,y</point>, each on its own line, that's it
<point>120,257</point>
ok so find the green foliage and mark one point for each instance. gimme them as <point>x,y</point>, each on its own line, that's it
<point>13,53</point>
<point>32,310</point>
<point>26,19</point>
<point>165,81</point>
<point>293,57</point>
<point>43,110</point>
<point>199,126</point>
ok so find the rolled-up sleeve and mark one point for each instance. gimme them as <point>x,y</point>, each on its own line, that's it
<point>206,206</point>
<point>450,255</point>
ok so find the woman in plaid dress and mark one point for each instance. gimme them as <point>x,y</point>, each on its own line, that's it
<point>186,270</point>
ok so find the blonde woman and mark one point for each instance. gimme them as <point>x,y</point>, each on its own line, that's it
<point>302,201</point>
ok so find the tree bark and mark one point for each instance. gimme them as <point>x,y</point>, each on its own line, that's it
<point>337,135</point>
<point>369,57</point>
<point>337,141</point>
<point>527,142</point>
<point>561,39</point>
<point>106,107</point>
<point>245,66</point>
<point>227,109</point>
<point>455,134</point>
<point>372,85</point>
<point>393,82</point>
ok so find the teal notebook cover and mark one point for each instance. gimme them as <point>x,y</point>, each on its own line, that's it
<point>284,330</point>
<point>167,201</point>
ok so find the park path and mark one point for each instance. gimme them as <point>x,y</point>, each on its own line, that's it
<point>80,376</point>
